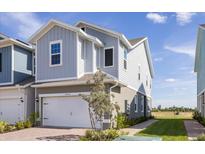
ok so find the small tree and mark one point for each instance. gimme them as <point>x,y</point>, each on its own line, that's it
<point>99,100</point>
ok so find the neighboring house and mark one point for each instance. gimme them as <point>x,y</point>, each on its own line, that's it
<point>16,65</point>
<point>200,69</point>
<point>67,56</point>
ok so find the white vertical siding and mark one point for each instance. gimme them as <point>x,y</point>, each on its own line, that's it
<point>130,76</point>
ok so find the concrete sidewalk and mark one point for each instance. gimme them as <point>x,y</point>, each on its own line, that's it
<point>139,127</point>
<point>193,128</point>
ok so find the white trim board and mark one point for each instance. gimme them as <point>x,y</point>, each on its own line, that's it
<point>64,94</point>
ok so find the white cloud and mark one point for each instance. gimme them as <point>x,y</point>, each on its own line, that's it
<point>25,24</point>
<point>158,59</point>
<point>156,18</point>
<point>184,18</point>
<point>170,80</point>
<point>186,48</point>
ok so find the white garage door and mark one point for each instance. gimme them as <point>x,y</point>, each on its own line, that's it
<point>65,112</point>
<point>11,110</point>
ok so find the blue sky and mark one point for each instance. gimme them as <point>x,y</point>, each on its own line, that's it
<point>172,38</point>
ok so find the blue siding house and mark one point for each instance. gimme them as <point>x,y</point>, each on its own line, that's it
<point>16,76</point>
<point>67,56</point>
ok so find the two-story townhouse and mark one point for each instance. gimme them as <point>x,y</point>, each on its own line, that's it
<point>199,69</point>
<point>16,65</point>
<point>67,56</point>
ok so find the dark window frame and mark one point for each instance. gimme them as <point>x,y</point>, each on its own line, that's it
<point>112,63</point>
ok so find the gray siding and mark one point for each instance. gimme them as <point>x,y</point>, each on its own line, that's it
<point>130,76</point>
<point>69,55</point>
<point>108,41</point>
<point>22,64</point>
<point>125,93</point>
<point>5,75</point>
<point>201,64</point>
<point>88,57</point>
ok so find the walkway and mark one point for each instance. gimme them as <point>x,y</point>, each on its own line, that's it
<point>139,127</point>
<point>193,128</point>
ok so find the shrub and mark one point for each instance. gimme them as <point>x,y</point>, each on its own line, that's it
<point>10,128</point>
<point>121,121</point>
<point>197,116</point>
<point>3,126</point>
<point>19,125</point>
<point>27,124</point>
<point>33,117</point>
<point>201,137</point>
<point>101,135</point>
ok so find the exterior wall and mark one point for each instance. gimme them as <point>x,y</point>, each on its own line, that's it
<point>22,64</point>
<point>108,41</point>
<point>88,57</point>
<point>201,64</point>
<point>29,97</point>
<point>125,93</point>
<point>69,55</point>
<point>130,76</point>
<point>5,75</point>
<point>81,57</point>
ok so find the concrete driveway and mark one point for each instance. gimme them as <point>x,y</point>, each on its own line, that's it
<point>43,134</point>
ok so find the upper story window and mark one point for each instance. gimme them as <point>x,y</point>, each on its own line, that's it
<point>150,86</point>
<point>109,58</point>
<point>0,62</point>
<point>125,58</point>
<point>56,53</point>
<point>139,72</point>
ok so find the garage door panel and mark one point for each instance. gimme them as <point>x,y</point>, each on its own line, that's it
<point>11,110</point>
<point>65,112</point>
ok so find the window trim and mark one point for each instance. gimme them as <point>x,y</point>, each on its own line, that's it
<point>112,57</point>
<point>50,54</point>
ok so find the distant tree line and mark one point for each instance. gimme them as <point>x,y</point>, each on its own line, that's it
<point>173,109</point>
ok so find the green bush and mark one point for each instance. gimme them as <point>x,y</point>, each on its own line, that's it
<point>19,125</point>
<point>10,128</point>
<point>101,135</point>
<point>124,122</point>
<point>201,138</point>
<point>33,117</point>
<point>27,124</point>
<point>197,116</point>
<point>121,121</point>
<point>3,126</point>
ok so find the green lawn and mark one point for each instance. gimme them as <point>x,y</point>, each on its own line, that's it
<point>169,127</point>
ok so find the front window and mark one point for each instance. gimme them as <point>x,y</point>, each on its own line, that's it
<point>56,53</point>
<point>108,57</point>
<point>125,58</point>
<point>139,71</point>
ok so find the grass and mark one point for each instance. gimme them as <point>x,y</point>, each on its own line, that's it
<point>169,127</point>
<point>172,115</point>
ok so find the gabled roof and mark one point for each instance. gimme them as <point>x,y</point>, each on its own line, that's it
<point>3,36</point>
<point>111,32</point>
<point>136,40</point>
<point>198,46</point>
<point>8,41</point>
<point>131,44</point>
<point>51,23</point>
